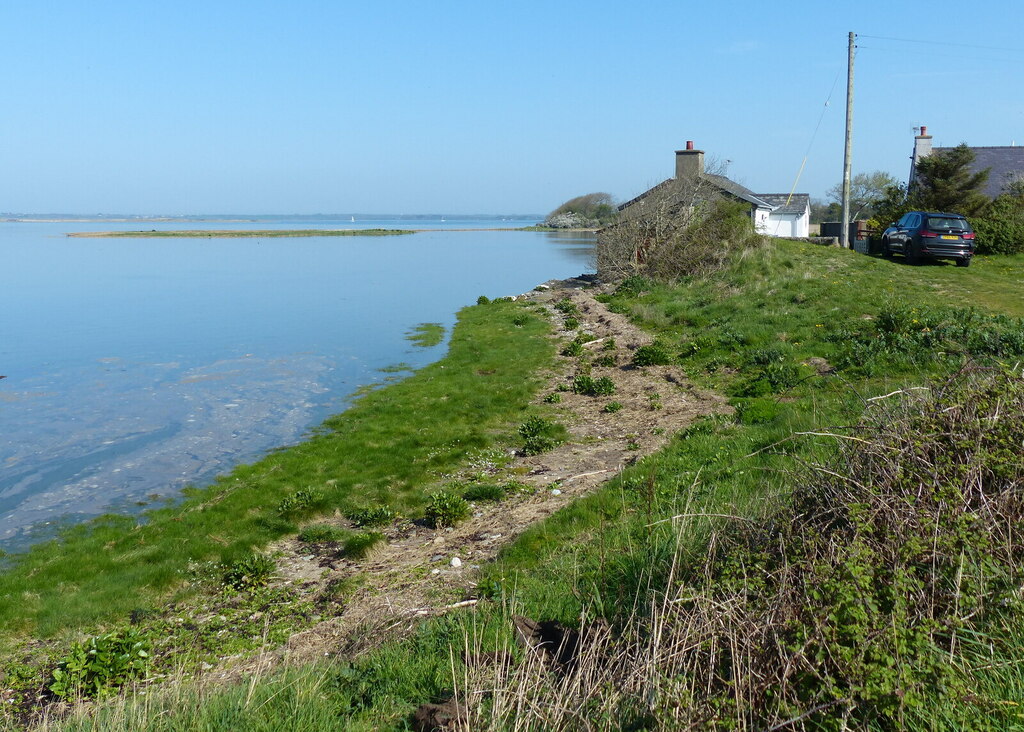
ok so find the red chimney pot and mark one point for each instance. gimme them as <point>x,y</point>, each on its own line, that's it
<point>924,130</point>
<point>689,144</point>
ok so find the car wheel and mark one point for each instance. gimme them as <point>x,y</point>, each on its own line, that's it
<point>886,251</point>
<point>910,252</point>
<point>965,262</point>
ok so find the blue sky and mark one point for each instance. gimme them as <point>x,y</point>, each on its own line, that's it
<point>475,107</point>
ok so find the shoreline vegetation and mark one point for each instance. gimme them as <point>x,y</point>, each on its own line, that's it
<point>275,233</point>
<point>842,550</point>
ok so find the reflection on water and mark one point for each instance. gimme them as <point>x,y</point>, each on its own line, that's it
<point>137,366</point>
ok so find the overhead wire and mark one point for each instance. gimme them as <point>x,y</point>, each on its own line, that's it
<point>942,43</point>
<point>946,55</point>
<point>824,108</point>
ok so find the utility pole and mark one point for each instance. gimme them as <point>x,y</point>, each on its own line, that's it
<point>844,236</point>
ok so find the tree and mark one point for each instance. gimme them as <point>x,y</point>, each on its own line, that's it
<point>583,212</point>
<point>822,211</point>
<point>1000,228</point>
<point>867,190</point>
<point>893,204</point>
<point>943,181</point>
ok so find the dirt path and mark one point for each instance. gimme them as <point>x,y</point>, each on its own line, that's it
<point>413,575</point>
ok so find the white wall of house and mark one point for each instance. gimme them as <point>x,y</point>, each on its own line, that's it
<point>761,220</point>
<point>780,224</point>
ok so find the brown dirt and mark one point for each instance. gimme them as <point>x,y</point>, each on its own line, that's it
<point>411,576</point>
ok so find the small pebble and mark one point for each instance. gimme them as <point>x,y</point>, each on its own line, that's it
<point>556,492</point>
<point>437,558</point>
<point>435,571</point>
<point>456,562</point>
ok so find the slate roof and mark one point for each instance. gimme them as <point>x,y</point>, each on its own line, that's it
<point>1007,164</point>
<point>735,189</point>
<point>799,203</point>
<point>725,185</point>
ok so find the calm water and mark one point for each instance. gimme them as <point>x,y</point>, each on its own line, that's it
<point>137,366</point>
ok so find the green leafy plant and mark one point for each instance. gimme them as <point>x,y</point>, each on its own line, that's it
<point>589,386</point>
<point>540,435</point>
<point>606,361</point>
<point>654,354</point>
<point>567,307</point>
<point>446,509</point>
<point>490,589</point>
<point>573,349</point>
<point>372,516</point>
<point>101,664</point>
<point>571,324</point>
<point>483,300</point>
<point>300,502</point>
<point>553,398</point>
<point>612,407</point>
<point>252,570</point>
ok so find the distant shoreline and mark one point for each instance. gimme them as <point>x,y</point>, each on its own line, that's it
<point>273,233</point>
<point>237,234</point>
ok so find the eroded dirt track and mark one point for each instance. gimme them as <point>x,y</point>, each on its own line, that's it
<point>413,576</point>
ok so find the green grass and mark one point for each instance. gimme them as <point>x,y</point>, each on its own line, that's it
<point>237,233</point>
<point>426,335</point>
<point>384,451</point>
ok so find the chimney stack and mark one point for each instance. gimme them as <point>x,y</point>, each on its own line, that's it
<point>922,149</point>
<point>689,162</point>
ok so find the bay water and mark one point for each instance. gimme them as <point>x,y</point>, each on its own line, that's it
<point>136,366</point>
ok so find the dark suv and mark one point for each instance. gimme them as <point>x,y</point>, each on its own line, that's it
<point>929,234</point>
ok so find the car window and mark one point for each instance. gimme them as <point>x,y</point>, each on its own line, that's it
<point>946,222</point>
<point>904,220</point>
<point>913,221</point>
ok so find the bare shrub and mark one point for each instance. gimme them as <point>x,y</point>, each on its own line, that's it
<point>680,228</point>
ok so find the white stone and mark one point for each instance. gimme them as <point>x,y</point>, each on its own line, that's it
<point>556,492</point>
<point>456,562</point>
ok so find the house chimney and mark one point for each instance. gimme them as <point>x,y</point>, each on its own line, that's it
<point>689,162</point>
<point>922,149</point>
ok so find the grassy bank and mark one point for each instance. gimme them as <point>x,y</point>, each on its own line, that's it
<point>382,452</point>
<point>684,556</point>
<point>236,233</point>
